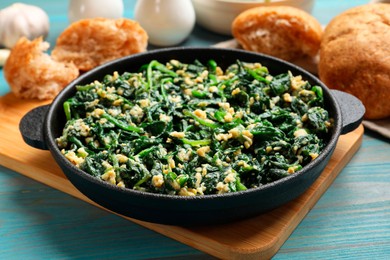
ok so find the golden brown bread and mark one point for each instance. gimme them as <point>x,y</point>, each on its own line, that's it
<point>281,31</point>
<point>31,73</point>
<point>91,42</point>
<point>355,56</point>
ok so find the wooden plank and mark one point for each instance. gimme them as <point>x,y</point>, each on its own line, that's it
<point>258,237</point>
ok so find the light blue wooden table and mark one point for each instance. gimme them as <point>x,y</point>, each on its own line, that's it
<point>351,220</point>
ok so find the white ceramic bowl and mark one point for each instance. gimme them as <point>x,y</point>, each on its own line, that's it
<point>218,15</point>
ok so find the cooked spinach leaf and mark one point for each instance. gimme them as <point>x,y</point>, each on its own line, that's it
<point>194,129</point>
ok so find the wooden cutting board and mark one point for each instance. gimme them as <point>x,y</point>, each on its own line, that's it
<point>254,238</point>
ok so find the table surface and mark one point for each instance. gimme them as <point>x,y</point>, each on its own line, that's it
<point>351,220</point>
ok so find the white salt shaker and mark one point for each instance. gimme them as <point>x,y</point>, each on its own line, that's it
<point>167,22</point>
<point>80,9</point>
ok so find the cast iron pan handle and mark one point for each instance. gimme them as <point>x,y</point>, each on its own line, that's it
<point>352,110</point>
<point>31,127</point>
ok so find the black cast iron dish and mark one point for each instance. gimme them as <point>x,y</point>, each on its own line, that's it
<point>346,110</point>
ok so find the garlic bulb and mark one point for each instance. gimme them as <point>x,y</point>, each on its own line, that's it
<point>19,20</point>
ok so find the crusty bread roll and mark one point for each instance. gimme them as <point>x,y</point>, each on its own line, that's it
<point>355,56</point>
<point>281,31</point>
<point>31,73</point>
<point>91,42</point>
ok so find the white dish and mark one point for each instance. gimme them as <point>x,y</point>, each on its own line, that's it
<point>218,15</point>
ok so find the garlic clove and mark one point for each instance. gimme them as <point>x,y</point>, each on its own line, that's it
<point>4,53</point>
<point>18,20</point>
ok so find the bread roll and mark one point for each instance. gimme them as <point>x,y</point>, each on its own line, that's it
<point>91,42</point>
<point>31,73</point>
<point>355,56</point>
<point>281,31</point>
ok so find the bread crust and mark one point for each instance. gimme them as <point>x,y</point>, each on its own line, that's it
<point>32,74</point>
<point>91,42</point>
<point>355,56</point>
<point>281,31</point>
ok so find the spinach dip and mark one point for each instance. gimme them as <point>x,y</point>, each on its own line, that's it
<point>194,129</point>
